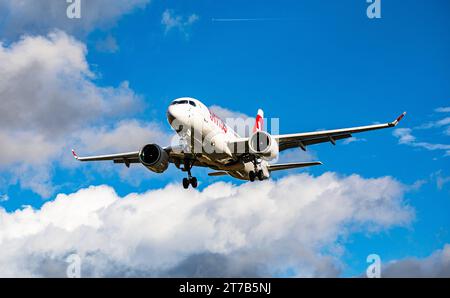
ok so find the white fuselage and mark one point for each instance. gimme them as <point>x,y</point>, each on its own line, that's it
<point>207,136</point>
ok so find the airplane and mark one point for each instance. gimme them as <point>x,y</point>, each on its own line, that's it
<point>207,141</point>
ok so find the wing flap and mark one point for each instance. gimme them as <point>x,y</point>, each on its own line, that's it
<point>295,143</point>
<point>214,174</point>
<point>127,160</point>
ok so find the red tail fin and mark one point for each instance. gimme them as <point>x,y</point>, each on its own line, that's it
<point>259,123</point>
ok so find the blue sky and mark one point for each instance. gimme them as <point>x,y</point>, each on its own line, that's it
<point>313,64</point>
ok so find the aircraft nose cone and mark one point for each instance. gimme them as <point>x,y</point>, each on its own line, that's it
<point>177,117</point>
<point>170,115</point>
<point>174,113</point>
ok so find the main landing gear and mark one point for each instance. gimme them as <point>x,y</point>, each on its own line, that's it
<point>189,180</point>
<point>257,173</point>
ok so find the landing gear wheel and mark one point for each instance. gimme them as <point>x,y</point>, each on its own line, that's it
<point>260,175</point>
<point>189,180</point>
<point>194,182</point>
<point>185,183</point>
<point>251,176</point>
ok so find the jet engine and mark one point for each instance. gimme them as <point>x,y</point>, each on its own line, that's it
<point>264,145</point>
<point>154,158</point>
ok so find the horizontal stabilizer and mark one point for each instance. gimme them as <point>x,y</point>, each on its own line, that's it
<point>293,165</point>
<point>218,174</point>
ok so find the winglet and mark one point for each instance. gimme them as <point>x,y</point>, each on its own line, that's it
<point>74,154</point>
<point>396,121</point>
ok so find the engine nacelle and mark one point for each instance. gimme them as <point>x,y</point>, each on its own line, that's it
<point>154,158</point>
<point>264,145</point>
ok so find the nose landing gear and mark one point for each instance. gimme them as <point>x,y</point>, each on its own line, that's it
<point>189,180</point>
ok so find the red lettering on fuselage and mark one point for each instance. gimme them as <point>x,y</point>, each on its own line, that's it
<point>214,118</point>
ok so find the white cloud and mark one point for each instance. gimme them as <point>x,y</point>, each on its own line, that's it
<point>297,155</point>
<point>353,140</point>
<point>107,45</point>
<point>443,110</point>
<point>125,136</point>
<point>294,224</point>
<point>4,198</point>
<point>40,17</point>
<point>443,123</point>
<point>417,185</point>
<point>405,137</point>
<point>171,21</point>
<point>24,147</point>
<point>225,113</point>
<point>47,85</point>
<point>441,180</point>
<point>435,265</point>
<point>50,102</point>
<point>438,123</point>
<point>37,178</point>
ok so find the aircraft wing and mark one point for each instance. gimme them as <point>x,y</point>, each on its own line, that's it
<point>302,140</point>
<point>132,157</point>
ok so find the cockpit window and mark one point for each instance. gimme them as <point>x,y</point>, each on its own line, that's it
<point>179,102</point>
